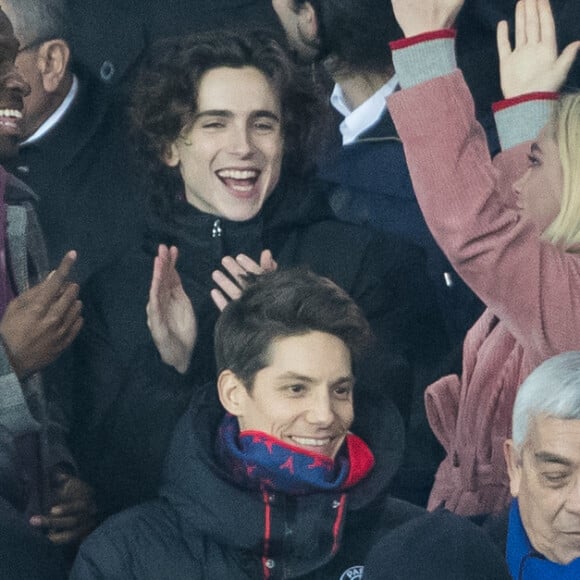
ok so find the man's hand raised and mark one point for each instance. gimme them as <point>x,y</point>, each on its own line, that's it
<point>419,16</point>
<point>43,321</point>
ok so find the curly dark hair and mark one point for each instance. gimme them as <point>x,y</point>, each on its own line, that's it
<point>163,98</point>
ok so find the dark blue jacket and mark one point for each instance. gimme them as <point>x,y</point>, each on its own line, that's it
<point>376,189</point>
<point>205,526</point>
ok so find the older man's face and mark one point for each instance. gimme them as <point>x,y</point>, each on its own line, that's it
<point>545,478</point>
<point>13,89</point>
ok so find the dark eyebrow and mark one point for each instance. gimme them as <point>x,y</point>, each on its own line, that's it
<point>265,113</point>
<point>295,377</point>
<point>305,379</point>
<point>547,457</point>
<point>229,114</point>
<point>213,113</point>
<point>535,148</point>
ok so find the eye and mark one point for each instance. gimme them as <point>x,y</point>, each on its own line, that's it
<point>213,125</point>
<point>555,479</point>
<point>533,161</point>
<point>297,389</point>
<point>264,126</point>
<point>343,391</point>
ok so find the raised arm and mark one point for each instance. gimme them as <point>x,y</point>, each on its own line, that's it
<point>497,252</point>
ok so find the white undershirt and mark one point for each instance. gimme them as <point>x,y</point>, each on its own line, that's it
<point>365,115</point>
<point>56,116</point>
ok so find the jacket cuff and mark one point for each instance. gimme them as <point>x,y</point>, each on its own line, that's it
<point>420,58</point>
<point>521,118</point>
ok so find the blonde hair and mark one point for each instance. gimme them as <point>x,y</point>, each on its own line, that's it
<point>564,231</point>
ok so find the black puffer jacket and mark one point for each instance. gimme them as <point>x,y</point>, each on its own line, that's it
<point>206,527</point>
<point>129,401</point>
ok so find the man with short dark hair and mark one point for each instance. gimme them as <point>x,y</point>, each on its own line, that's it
<point>279,486</point>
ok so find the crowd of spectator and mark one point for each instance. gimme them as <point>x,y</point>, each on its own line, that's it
<point>289,289</point>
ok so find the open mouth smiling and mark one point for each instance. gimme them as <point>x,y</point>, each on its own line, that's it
<point>239,180</point>
<point>10,118</point>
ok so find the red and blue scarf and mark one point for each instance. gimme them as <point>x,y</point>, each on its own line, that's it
<point>260,461</point>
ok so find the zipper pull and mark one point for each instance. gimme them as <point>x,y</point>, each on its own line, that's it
<point>216,230</point>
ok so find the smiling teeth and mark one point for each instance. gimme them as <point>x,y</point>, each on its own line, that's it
<point>14,113</point>
<point>311,442</point>
<point>238,174</point>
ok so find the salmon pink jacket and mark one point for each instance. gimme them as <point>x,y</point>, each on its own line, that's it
<point>530,287</point>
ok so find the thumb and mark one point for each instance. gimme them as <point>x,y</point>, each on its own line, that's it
<point>566,60</point>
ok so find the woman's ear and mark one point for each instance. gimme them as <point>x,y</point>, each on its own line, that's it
<point>232,393</point>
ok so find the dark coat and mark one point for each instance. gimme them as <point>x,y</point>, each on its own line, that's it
<point>107,36</point>
<point>25,553</point>
<point>376,189</point>
<point>90,194</point>
<point>206,526</point>
<point>129,401</point>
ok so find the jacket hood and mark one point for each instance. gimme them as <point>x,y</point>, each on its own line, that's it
<point>209,503</point>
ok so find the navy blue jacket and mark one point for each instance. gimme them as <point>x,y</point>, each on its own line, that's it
<point>205,526</point>
<point>376,189</point>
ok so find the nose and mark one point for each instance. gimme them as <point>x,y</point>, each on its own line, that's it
<point>241,142</point>
<point>518,185</point>
<point>15,82</point>
<point>320,411</point>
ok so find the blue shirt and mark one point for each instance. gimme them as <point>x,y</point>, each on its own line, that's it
<point>525,563</point>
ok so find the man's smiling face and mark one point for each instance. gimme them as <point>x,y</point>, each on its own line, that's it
<point>230,157</point>
<point>304,397</point>
<point>13,89</point>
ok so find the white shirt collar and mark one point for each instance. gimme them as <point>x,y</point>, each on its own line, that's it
<point>56,116</point>
<point>365,115</point>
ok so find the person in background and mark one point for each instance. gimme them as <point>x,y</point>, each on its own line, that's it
<point>543,460</point>
<point>74,153</point>
<point>39,318</point>
<point>510,227</point>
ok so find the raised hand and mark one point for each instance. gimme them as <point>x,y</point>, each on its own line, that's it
<point>42,321</point>
<point>419,16</point>
<point>170,315</point>
<point>238,268</point>
<point>533,64</point>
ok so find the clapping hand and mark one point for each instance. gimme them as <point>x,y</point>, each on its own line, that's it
<point>170,315</point>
